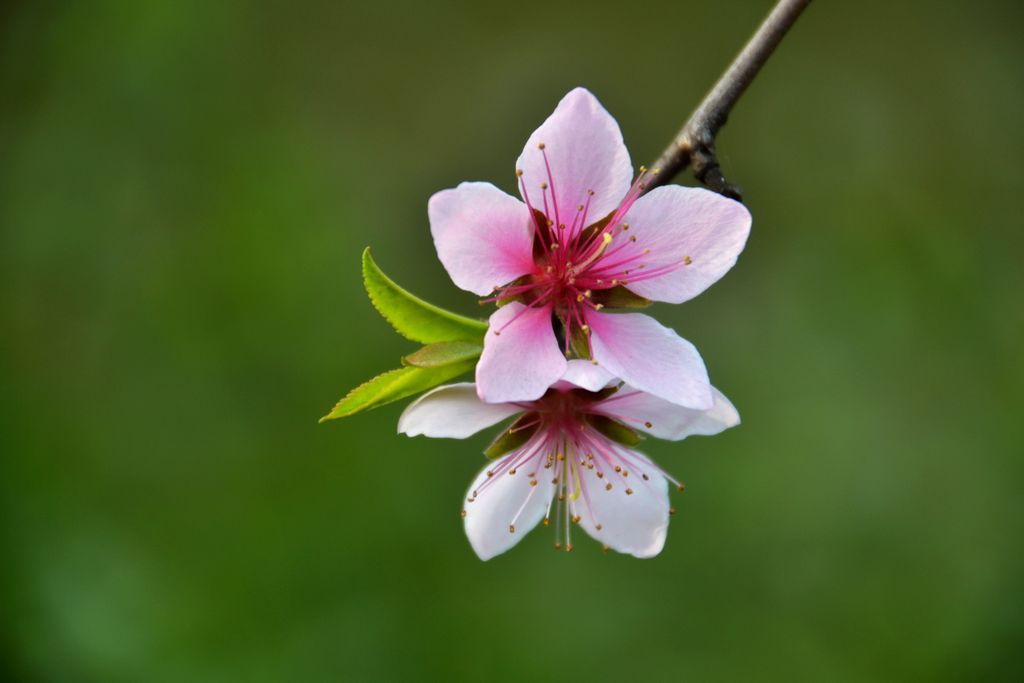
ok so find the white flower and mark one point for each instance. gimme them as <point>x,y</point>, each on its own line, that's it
<point>567,458</point>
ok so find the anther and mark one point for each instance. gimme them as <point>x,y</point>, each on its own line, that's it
<point>618,468</point>
<point>543,186</point>
<point>512,471</point>
<point>541,146</point>
<point>648,425</point>
<point>511,528</point>
<point>546,521</point>
<point>519,173</point>
<point>629,492</point>
<point>605,549</point>
<point>671,511</point>
<point>646,478</point>
<point>533,482</point>
<point>687,260</point>
<point>598,307</point>
<point>576,519</point>
<point>558,546</point>
<point>568,547</point>
<point>462,514</point>
<point>681,488</point>
<point>608,486</point>
<point>598,527</point>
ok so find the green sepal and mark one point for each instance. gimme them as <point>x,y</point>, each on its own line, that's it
<point>596,396</point>
<point>395,385</point>
<point>619,297</point>
<point>578,342</point>
<point>591,230</point>
<point>444,353</point>
<point>512,438</point>
<point>412,317</point>
<point>613,429</point>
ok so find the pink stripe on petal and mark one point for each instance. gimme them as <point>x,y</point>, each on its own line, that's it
<point>635,523</point>
<point>499,517</point>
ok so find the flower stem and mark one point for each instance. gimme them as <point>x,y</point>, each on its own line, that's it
<point>694,145</point>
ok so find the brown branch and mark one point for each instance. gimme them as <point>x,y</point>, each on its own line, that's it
<point>694,145</point>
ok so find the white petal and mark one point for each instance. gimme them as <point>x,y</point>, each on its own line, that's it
<point>586,375</point>
<point>507,509</point>
<point>667,420</point>
<point>453,412</point>
<point>635,523</point>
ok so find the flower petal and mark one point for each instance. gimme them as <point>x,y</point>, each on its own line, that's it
<point>483,236</point>
<point>585,375</point>
<point>506,510</point>
<point>452,412</point>
<point>694,233</point>
<point>665,420</point>
<point>584,147</point>
<point>650,357</point>
<point>635,523</point>
<point>521,358</point>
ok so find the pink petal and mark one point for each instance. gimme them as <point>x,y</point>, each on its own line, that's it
<point>635,523</point>
<point>650,357</point>
<point>585,150</point>
<point>483,236</point>
<point>585,375</point>
<point>668,420</point>
<point>694,233</point>
<point>521,359</point>
<point>452,412</point>
<point>507,502</point>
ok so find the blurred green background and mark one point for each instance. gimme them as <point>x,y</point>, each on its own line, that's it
<point>185,188</point>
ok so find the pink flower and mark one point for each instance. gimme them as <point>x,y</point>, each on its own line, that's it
<point>563,462</point>
<point>580,238</point>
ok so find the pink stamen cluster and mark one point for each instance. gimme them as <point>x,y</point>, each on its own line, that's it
<point>575,260</point>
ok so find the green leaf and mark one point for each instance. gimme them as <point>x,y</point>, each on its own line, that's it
<point>394,386</point>
<point>513,437</point>
<point>413,317</point>
<point>613,429</point>
<point>444,353</point>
